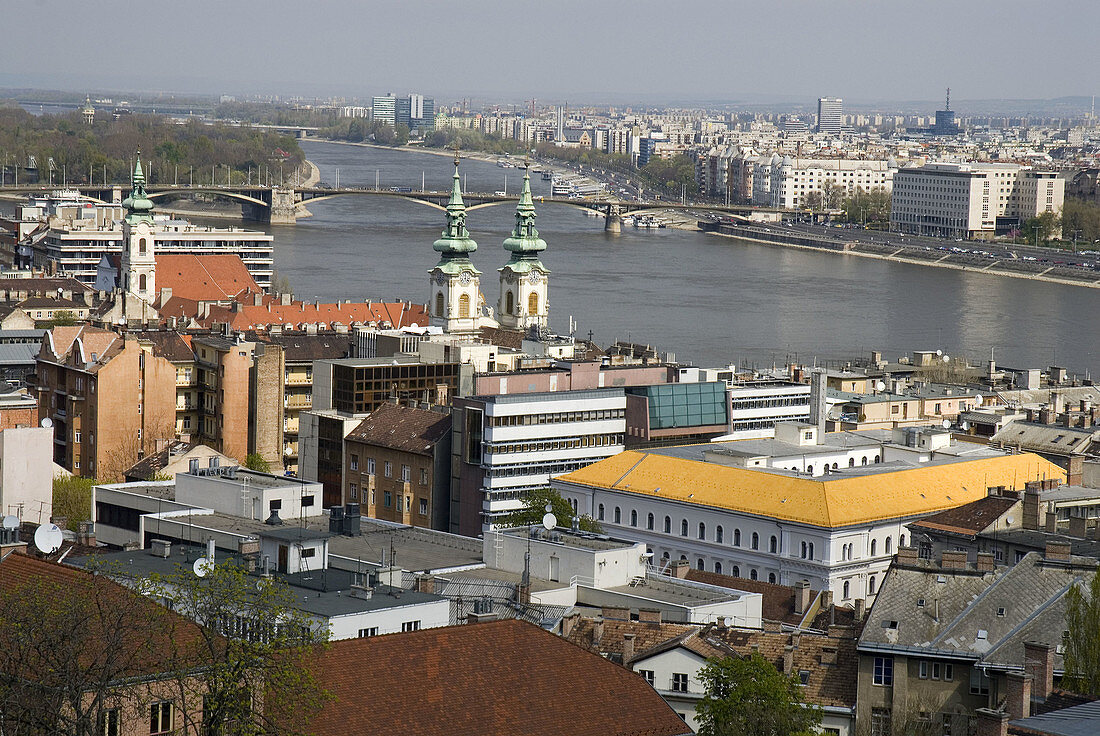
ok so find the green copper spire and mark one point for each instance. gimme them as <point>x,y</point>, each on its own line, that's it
<point>138,205</point>
<point>455,244</point>
<point>524,242</point>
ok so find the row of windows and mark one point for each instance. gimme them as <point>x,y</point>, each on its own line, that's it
<point>769,403</point>
<point>516,420</point>
<point>594,440</point>
<point>387,469</point>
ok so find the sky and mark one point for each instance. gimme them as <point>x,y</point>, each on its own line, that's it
<point>613,51</point>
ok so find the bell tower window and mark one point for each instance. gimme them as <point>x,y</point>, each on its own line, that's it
<point>510,303</point>
<point>141,246</point>
<point>533,303</point>
<point>464,306</point>
<point>439,305</point>
<point>141,278</point>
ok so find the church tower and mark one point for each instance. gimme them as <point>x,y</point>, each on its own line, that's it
<point>455,292</point>
<point>138,273</point>
<point>523,280</point>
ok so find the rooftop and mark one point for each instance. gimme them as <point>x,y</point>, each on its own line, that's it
<point>402,428</point>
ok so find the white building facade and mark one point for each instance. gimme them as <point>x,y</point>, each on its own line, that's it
<point>783,182</point>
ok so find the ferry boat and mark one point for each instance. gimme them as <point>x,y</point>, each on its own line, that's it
<point>547,175</point>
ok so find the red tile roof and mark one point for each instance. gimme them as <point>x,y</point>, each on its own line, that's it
<point>209,277</point>
<point>969,519</point>
<point>506,678</point>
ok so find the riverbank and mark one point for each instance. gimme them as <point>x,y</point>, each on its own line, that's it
<point>1011,269</point>
<point>478,155</point>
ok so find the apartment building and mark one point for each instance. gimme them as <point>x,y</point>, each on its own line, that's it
<point>505,446</point>
<point>109,397</point>
<point>783,182</point>
<point>971,200</point>
<point>397,466</point>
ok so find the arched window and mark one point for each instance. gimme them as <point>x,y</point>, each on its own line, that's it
<point>736,537</point>
<point>684,528</point>
<point>847,590</point>
<point>439,305</point>
<point>141,246</point>
<point>863,461</point>
<point>464,306</point>
<point>771,578</point>
<point>901,541</point>
<point>532,303</point>
<point>618,515</point>
<point>874,546</point>
<point>649,522</point>
<point>871,585</point>
<point>755,540</point>
<point>811,550</point>
<point>718,534</point>
<point>718,567</point>
<point>773,545</point>
<point>509,303</point>
<point>753,574</point>
<point>633,518</point>
<point>683,558</point>
<point>889,545</point>
<point>702,530</point>
<point>141,282</point>
<point>736,571</point>
<point>699,564</point>
<point>803,550</point>
<point>878,458</point>
<point>836,466</point>
<point>599,512</point>
<point>810,469</point>
<point>851,462</point>
<point>668,525</point>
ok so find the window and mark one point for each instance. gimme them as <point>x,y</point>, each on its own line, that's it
<point>922,670</point>
<point>371,631</point>
<point>684,528</point>
<point>880,722</point>
<point>307,502</point>
<point>387,499</point>
<point>889,545</point>
<point>633,517</point>
<point>406,473</point>
<point>464,306</point>
<point>599,512</point>
<point>736,571</point>
<point>439,305</point>
<point>108,723</point>
<point>979,683</point>
<point>718,534</point>
<point>847,591</point>
<point>884,671</point>
<point>647,675</point>
<point>771,578</point>
<point>423,507</point>
<point>753,575</point>
<point>353,491</point>
<point>871,585</point>
<point>803,677</point>
<point>755,541</point>
<point>773,544</point>
<point>160,718</point>
<point>668,525</point>
<point>354,462</point>
<point>532,303</point>
<point>618,515</point>
<point>423,476</point>
<point>702,530</point>
<point>509,303</point>
<point>142,282</point>
<point>700,565</point>
<point>736,537</point>
<point>811,550</point>
<point>718,567</point>
<point>679,682</point>
<point>410,626</point>
<point>874,546</point>
<point>649,522</point>
<point>370,466</point>
<point>388,469</point>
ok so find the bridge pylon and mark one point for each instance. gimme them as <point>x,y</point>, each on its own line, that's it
<point>613,219</point>
<point>283,207</point>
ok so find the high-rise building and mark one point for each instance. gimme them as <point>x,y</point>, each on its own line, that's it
<point>384,109</point>
<point>830,111</point>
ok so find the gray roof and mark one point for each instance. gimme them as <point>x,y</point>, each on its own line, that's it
<point>1048,437</point>
<point>1042,395</point>
<point>19,353</point>
<point>966,614</point>
<point>1077,720</point>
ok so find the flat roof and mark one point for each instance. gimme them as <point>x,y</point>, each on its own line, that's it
<point>569,538</point>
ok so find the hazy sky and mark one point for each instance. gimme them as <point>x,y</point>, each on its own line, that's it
<point>592,50</point>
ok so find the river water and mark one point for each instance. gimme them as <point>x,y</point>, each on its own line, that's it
<point>710,300</point>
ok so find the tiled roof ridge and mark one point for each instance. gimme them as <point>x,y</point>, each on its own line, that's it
<point>1050,601</point>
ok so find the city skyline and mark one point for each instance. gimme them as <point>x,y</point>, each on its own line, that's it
<point>793,50</point>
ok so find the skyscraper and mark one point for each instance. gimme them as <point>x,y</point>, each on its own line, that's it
<point>384,110</point>
<point>829,113</point>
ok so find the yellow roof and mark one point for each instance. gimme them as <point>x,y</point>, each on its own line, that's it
<point>829,501</point>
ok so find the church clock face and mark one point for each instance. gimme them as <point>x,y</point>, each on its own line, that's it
<point>465,278</point>
<point>534,278</point>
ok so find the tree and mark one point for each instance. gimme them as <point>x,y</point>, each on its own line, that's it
<point>750,697</point>
<point>255,461</point>
<point>252,657</point>
<point>72,497</point>
<point>1083,218</point>
<point>1082,639</point>
<point>868,206</point>
<point>813,201</point>
<point>1043,226</point>
<point>832,196</point>
<point>61,318</point>
<point>534,507</point>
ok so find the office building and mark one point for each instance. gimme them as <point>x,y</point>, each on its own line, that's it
<point>783,182</point>
<point>384,109</point>
<point>415,112</point>
<point>830,114</point>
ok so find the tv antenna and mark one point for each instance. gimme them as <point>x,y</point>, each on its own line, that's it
<point>47,538</point>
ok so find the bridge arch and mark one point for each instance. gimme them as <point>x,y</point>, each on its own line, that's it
<point>226,193</point>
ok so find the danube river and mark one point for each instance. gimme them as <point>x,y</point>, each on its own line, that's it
<point>708,299</point>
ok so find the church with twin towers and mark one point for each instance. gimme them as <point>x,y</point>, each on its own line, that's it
<point>455,300</point>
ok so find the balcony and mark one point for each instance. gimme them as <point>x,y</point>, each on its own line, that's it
<point>298,379</point>
<point>298,402</point>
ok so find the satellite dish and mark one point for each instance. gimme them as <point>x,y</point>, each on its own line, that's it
<point>880,385</point>
<point>11,522</point>
<point>48,538</point>
<point>965,426</point>
<point>201,567</point>
<point>549,521</point>
<point>946,424</point>
<point>978,398</point>
<point>939,352</point>
<point>1008,519</point>
<point>947,359</point>
<point>47,422</point>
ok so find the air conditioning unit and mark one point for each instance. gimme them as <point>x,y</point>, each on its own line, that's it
<point>160,548</point>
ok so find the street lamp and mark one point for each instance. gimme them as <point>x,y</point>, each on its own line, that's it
<point>1035,236</point>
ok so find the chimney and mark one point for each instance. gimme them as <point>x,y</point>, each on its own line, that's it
<point>788,659</point>
<point>425,584</point>
<point>818,409</point>
<point>953,560</point>
<point>1058,551</point>
<point>1078,526</point>
<point>649,615</point>
<point>991,722</point>
<point>597,631</point>
<point>907,556</point>
<point>861,609</point>
<point>568,623</point>
<point>1030,511</point>
<point>523,593</point>
<point>628,647</point>
<point>1018,699</point>
<point>615,613</point>
<point>802,596</point>
<point>680,569</point>
<point>826,599</point>
<point>1039,663</point>
<point>985,562</point>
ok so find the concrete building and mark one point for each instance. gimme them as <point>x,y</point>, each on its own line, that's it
<point>971,200</point>
<point>508,445</point>
<point>830,114</point>
<point>790,508</point>
<point>26,473</point>
<point>783,182</point>
<point>397,466</point>
<point>384,109</point>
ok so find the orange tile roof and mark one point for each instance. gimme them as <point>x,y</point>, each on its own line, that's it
<point>209,277</point>
<point>506,678</point>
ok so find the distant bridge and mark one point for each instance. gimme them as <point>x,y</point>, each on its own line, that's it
<point>283,205</point>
